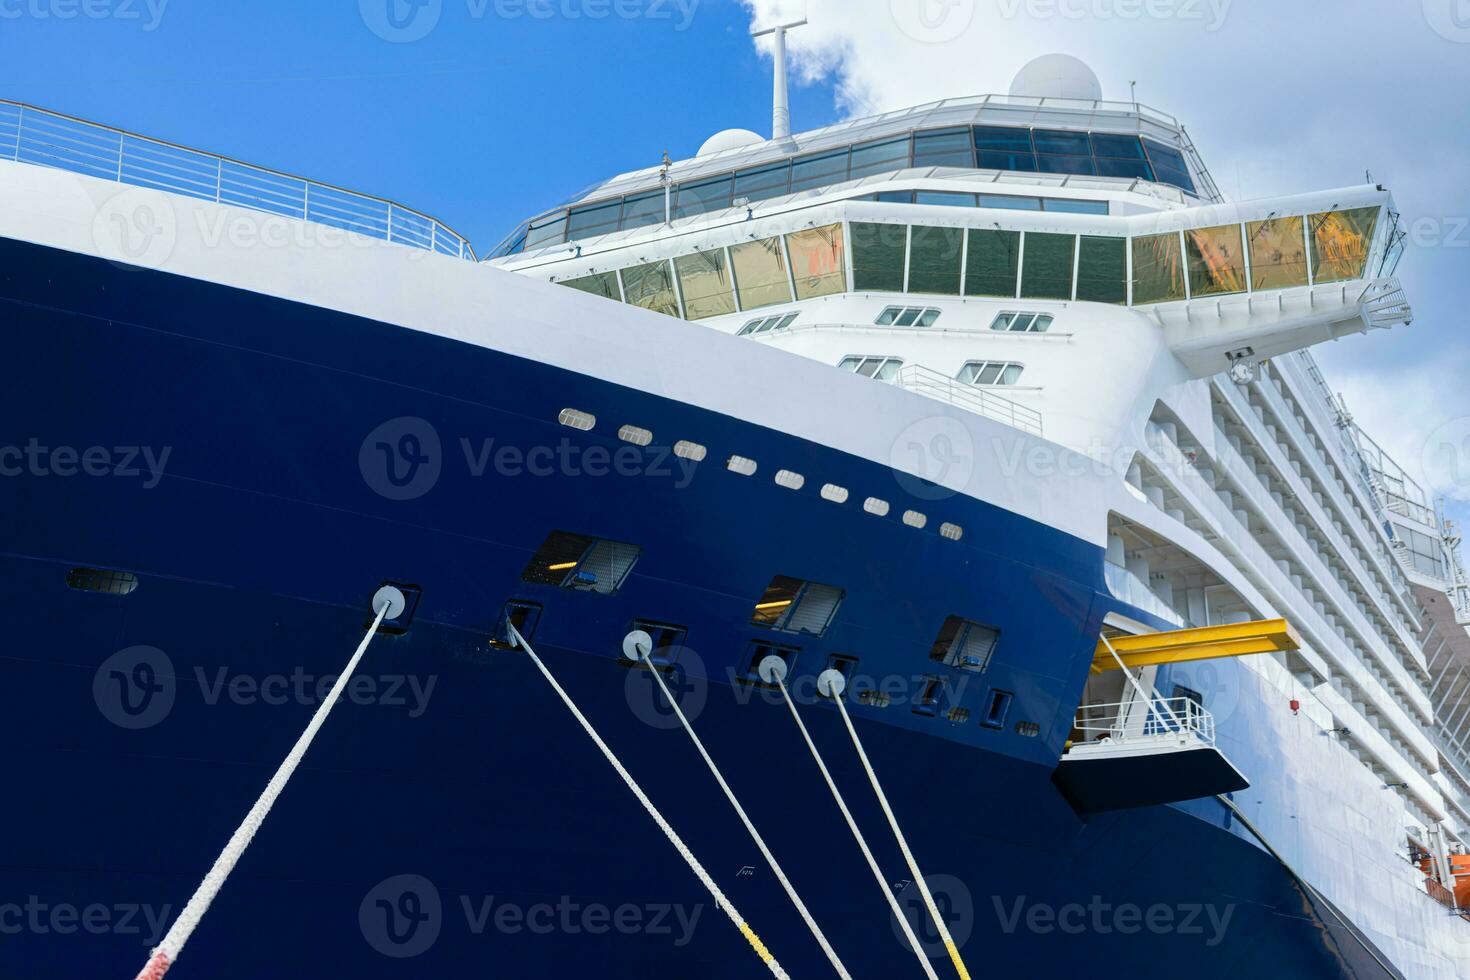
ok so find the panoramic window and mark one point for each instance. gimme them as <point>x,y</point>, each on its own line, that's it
<point>1004,148</point>
<point>1158,269</point>
<point>1169,166</point>
<point>879,254</point>
<point>760,273</point>
<point>818,170</point>
<point>1061,152</point>
<point>881,157</point>
<point>944,148</point>
<point>817,261</point>
<point>604,284</point>
<point>763,183</point>
<point>1278,250</point>
<point>598,219</point>
<point>768,323</point>
<point>705,282</point>
<point>907,316</point>
<point>1340,243</point>
<point>645,209</point>
<point>991,373</point>
<point>705,195</point>
<point>1022,322</point>
<point>934,260</point>
<point>1102,270</point>
<point>1046,272</point>
<point>992,262</point>
<point>948,199</point>
<point>1216,260</point>
<point>1007,202</point>
<point>1120,156</point>
<point>881,368</point>
<point>651,286</point>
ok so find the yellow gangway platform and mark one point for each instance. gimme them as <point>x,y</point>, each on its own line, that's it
<point>1201,643</point>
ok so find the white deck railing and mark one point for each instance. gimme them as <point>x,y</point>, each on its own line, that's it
<point>1137,719</point>
<point>982,401</point>
<point>49,139</point>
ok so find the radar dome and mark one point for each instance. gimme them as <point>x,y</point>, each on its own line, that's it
<point>729,139</point>
<point>1057,76</point>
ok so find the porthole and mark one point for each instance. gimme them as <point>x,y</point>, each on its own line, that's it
<point>834,493</point>
<point>741,465</point>
<point>876,505</point>
<point>790,480</point>
<point>574,419</point>
<point>635,435</point>
<point>914,519</point>
<point>685,449</point>
<point>952,531</point>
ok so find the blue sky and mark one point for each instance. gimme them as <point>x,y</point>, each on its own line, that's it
<point>505,107</point>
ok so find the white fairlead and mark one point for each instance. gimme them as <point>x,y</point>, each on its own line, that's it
<point>773,671</point>
<point>658,818</point>
<point>385,601</point>
<point>833,690</point>
<point>641,645</point>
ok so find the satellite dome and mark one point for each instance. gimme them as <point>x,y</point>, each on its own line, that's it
<point>1057,76</point>
<point>729,139</point>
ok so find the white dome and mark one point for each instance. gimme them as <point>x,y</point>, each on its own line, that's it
<point>1057,76</point>
<point>729,139</point>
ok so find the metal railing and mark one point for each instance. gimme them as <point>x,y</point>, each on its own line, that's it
<point>981,401</point>
<point>1137,718</point>
<point>29,134</point>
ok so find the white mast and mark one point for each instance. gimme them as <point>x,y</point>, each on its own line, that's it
<point>780,108</point>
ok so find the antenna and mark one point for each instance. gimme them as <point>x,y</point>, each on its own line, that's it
<point>780,107</point>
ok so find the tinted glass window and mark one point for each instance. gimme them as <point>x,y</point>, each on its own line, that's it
<point>934,260</point>
<point>818,171</point>
<point>817,261</point>
<point>944,148</point>
<point>761,183</point>
<point>548,232</point>
<point>992,262</point>
<point>1046,270</point>
<point>1066,165</point>
<point>1075,207</point>
<point>1169,165</point>
<point>707,195</point>
<point>877,158</point>
<point>1216,260</point>
<point>1278,251</point>
<point>604,284</point>
<point>1158,269</point>
<point>879,253</point>
<point>651,286</point>
<point>645,209</point>
<point>1102,270</point>
<point>760,273</point>
<point>596,220</point>
<point>1010,203</point>
<point>1340,243</point>
<point>1052,141</point>
<point>1004,148</point>
<point>1119,147</point>
<point>705,282</point>
<point>895,197</point>
<point>947,198</point>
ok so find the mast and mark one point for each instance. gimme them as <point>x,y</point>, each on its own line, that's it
<point>780,105</point>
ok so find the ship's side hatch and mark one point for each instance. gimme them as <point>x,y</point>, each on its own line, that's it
<point>1132,747</point>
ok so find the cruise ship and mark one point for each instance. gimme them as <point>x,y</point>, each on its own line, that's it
<point>920,546</point>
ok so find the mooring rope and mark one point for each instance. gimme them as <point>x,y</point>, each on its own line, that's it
<point>749,826</point>
<point>166,953</point>
<point>658,818</point>
<point>903,845</point>
<point>778,675</point>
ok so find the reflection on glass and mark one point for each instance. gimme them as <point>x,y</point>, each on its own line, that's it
<point>604,284</point>
<point>1340,243</point>
<point>707,195</point>
<point>934,260</point>
<point>1046,272</point>
<point>1158,269</point>
<point>643,210</point>
<point>705,282</point>
<point>878,257</point>
<point>1278,253</point>
<point>760,273</point>
<point>877,158</point>
<point>761,183</point>
<point>1216,260</point>
<point>1102,270</point>
<point>992,262</point>
<point>651,286</point>
<point>599,219</point>
<point>818,171</point>
<point>817,261</point>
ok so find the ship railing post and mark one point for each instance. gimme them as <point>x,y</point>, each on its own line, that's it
<point>219,179</point>
<point>390,221</point>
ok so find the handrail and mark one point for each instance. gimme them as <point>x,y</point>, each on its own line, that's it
<point>941,387</point>
<point>31,134</point>
<point>1139,718</point>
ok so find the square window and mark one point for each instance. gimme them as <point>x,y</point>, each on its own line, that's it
<point>964,644</point>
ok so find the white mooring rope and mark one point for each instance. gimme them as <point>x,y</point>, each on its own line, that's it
<point>167,951</point>
<point>857,834</point>
<point>679,845</point>
<point>754,834</point>
<point>903,845</point>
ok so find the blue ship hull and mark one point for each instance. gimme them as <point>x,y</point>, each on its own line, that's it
<point>452,818</point>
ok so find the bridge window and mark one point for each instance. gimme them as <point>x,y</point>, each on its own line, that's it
<point>1158,269</point>
<point>1340,243</point>
<point>1102,270</point>
<point>1169,166</point>
<point>705,281</point>
<point>879,254</point>
<point>944,148</point>
<point>992,263</point>
<point>604,284</point>
<point>907,316</point>
<point>1120,156</point>
<point>881,157</point>
<point>1061,152</point>
<point>797,606</point>
<point>763,183</point>
<point>704,196</point>
<point>1004,148</point>
<point>760,273</point>
<point>1216,260</point>
<point>643,210</point>
<point>1278,250</point>
<point>817,261</point>
<point>1046,272</point>
<point>818,170</point>
<point>1022,322</point>
<point>596,219</point>
<point>651,286</point>
<point>934,260</point>
<point>1006,202</point>
<point>991,373</point>
<point>881,368</point>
